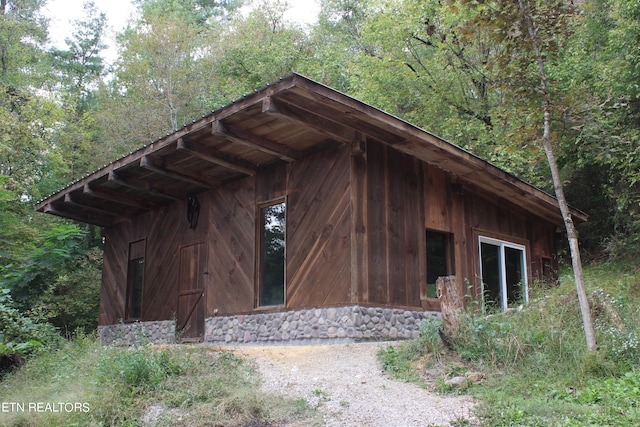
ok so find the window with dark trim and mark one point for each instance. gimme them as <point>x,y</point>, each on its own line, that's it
<point>272,254</point>
<point>439,259</point>
<point>135,280</point>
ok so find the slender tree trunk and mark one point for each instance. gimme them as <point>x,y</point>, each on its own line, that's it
<point>572,234</point>
<point>3,52</point>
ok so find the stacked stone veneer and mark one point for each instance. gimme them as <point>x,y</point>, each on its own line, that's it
<point>348,323</point>
<point>352,323</point>
<point>158,332</point>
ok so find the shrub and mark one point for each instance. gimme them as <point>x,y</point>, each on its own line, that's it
<point>58,281</point>
<point>19,335</point>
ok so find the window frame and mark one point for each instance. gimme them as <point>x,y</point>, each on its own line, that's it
<point>449,257</point>
<point>503,244</point>
<point>260,255</point>
<point>137,251</point>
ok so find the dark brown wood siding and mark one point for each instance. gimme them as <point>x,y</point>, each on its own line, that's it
<point>395,230</point>
<point>231,243</point>
<point>501,219</point>
<point>114,276</point>
<point>162,263</point>
<point>318,230</point>
<point>461,208</point>
<point>317,192</point>
<point>165,231</point>
<point>114,271</point>
<point>356,221</point>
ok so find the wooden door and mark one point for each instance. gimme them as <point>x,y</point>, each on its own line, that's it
<point>190,313</point>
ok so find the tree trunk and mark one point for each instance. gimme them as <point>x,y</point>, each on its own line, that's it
<point>451,304</point>
<point>572,234</point>
<point>3,52</point>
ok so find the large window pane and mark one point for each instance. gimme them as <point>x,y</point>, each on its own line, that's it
<point>491,274</point>
<point>272,254</point>
<point>514,264</point>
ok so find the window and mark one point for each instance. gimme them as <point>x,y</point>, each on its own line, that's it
<point>438,259</point>
<point>135,280</point>
<point>272,254</point>
<point>503,272</point>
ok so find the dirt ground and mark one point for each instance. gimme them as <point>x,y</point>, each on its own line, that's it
<point>346,383</point>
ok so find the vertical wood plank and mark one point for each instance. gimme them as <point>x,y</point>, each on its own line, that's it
<point>377,219</point>
<point>395,221</point>
<point>359,224</point>
<point>414,235</point>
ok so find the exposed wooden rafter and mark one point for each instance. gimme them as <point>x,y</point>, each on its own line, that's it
<point>74,201</point>
<point>318,105</point>
<point>243,137</point>
<point>143,186</point>
<point>154,165</point>
<point>323,125</point>
<point>118,197</point>
<point>94,218</point>
<point>217,157</point>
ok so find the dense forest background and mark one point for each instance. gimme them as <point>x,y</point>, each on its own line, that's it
<point>457,68</point>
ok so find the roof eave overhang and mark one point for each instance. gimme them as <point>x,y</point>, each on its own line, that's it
<point>240,138</point>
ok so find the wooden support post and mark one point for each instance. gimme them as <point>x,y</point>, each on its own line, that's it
<point>451,305</point>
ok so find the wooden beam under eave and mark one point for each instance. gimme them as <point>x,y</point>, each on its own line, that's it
<point>154,165</point>
<point>243,137</point>
<point>89,218</point>
<point>217,157</point>
<point>121,198</point>
<point>142,186</point>
<point>322,125</point>
<point>346,113</point>
<point>69,200</point>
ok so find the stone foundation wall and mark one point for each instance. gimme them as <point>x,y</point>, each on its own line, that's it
<point>158,332</point>
<point>352,323</point>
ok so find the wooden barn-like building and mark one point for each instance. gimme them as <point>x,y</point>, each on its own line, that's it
<point>298,212</point>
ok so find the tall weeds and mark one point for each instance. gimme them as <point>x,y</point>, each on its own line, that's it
<point>535,359</point>
<point>160,386</point>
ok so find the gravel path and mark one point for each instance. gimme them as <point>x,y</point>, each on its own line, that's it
<point>347,384</point>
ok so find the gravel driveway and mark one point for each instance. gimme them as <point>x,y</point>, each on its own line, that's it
<point>346,383</point>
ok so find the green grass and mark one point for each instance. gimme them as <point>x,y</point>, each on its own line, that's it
<point>160,386</point>
<point>537,369</point>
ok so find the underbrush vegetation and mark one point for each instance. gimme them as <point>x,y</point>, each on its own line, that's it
<point>536,369</point>
<point>148,385</point>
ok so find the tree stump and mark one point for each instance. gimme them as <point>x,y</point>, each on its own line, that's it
<point>451,305</point>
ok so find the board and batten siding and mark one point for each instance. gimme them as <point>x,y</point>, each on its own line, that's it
<point>356,219</point>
